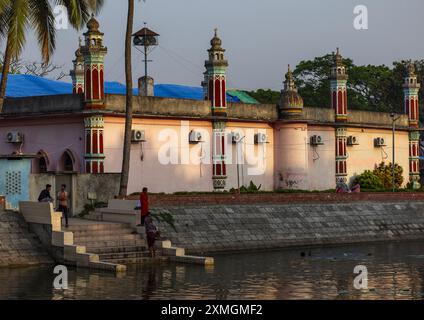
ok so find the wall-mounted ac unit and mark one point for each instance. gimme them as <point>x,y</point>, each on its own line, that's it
<point>236,137</point>
<point>352,141</point>
<point>195,137</point>
<point>138,136</point>
<point>317,140</point>
<point>379,142</point>
<point>261,138</point>
<point>14,137</point>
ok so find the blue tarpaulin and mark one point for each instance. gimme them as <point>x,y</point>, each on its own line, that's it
<point>19,86</point>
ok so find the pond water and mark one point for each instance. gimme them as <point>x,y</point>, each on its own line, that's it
<point>395,271</point>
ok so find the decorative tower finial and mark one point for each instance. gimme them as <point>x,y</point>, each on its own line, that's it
<point>291,103</point>
<point>338,79</point>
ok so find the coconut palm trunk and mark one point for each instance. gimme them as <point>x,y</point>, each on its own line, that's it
<point>129,103</point>
<point>5,73</point>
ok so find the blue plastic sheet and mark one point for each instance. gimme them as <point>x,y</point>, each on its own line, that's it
<point>19,86</point>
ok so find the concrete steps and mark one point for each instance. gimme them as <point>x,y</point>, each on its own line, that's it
<point>111,250</point>
<point>124,255</point>
<point>113,243</point>
<point>106,238</point>
<point>95,244</point>
<point>134,261</point>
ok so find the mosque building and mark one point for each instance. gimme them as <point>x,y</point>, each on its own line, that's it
<point>207,139</point>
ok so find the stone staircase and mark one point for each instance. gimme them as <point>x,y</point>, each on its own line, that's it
<point>112,242</point>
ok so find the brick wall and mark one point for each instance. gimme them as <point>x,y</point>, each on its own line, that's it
<point>226,198</point>
<point>223,228</point>
<point>19,247</point>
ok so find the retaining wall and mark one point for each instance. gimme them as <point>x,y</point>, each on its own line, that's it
<point>19,247</point>
<point>161,200</point>
<point>224,228</point>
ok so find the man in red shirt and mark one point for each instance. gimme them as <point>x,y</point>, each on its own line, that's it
<point>144,203</point>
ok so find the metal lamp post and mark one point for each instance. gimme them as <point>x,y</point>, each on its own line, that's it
<point>394,119</point>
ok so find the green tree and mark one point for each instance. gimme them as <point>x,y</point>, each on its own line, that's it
<point>265,96</point>
<point>17,16</point>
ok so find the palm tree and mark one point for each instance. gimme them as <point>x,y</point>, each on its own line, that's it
<point>18,15</point>
<point>129,102</point>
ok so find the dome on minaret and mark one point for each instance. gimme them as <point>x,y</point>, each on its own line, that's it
<point>93,25</point>
<point>216,42</point>
<point>291,103</point>
<point>411,70</point>
<point>338,70</point>
<point>216,53</point>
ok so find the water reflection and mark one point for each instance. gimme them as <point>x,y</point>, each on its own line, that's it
<point>396,271</point>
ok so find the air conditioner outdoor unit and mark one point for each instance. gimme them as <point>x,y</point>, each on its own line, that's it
<point>236,137</point>
<point>14,137</point>
<point>195,137</point>
<point>261,138</point>
<point>352,141</point>
<point>138,136</point>
<point>317,140</point>
<point>379,142</point>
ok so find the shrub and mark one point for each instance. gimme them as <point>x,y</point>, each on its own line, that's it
<point>252,188</point>
<point>370,181</point>
<point>385,173</point>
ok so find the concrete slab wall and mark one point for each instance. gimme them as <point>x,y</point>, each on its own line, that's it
<point>224,228</point>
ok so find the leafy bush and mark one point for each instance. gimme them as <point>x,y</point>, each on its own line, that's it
<point>252,188</point>
<point>385,173</point>
<point>370,181</point>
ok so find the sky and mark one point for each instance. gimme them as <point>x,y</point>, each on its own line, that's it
<point>261,37</point>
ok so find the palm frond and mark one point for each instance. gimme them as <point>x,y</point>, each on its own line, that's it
<point>42,19</point>
<point>17,26</point>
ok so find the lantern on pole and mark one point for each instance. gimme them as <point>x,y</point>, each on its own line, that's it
<point>147,40</point>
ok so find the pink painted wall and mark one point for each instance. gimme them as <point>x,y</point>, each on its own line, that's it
<point>365,156</point>
<point>150,172</point>
<point>53,136</point>
<point>321,159</point>
<point>258,159</point>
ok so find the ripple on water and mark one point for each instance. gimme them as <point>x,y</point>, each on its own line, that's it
<point>395,271</point>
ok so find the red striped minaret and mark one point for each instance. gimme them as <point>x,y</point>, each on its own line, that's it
<point>77,73</point>
<point>94,97</point>
<point>94,53</point>
<point>411,88</point>
<point>338,82</point>
<point>215,88</point>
